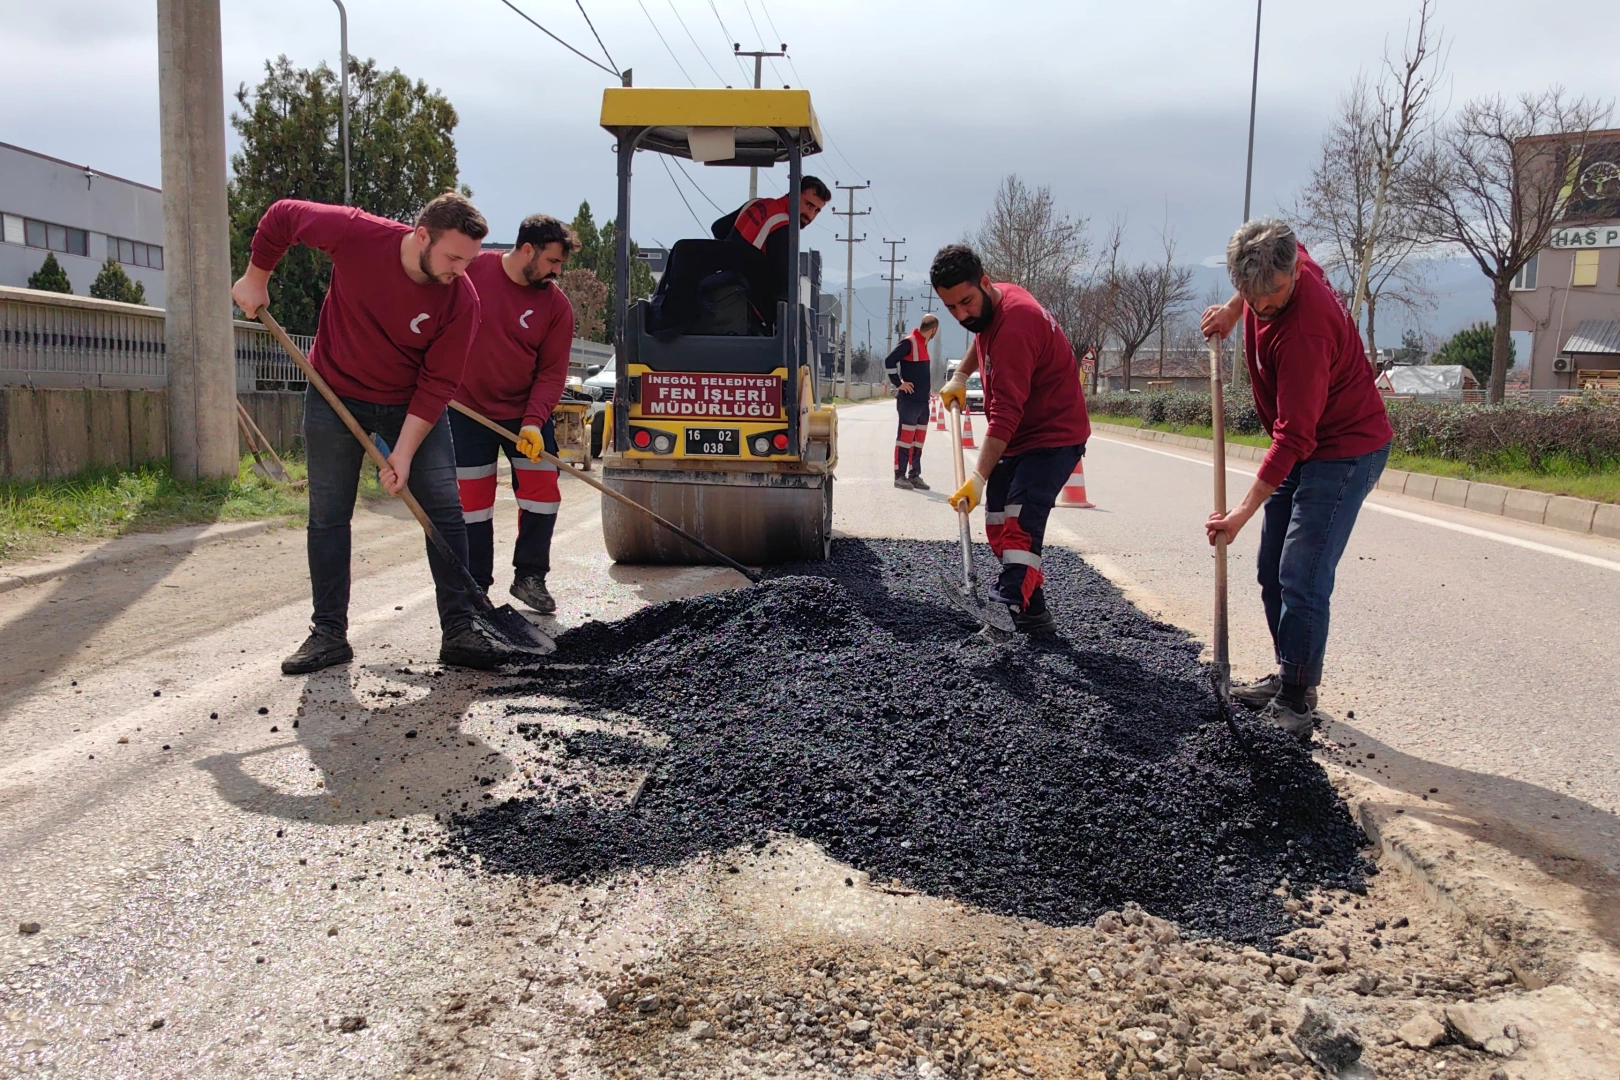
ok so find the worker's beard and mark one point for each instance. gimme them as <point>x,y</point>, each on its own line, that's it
<point>422,261</point>
<point>978,324</point>
<point>536,279</point>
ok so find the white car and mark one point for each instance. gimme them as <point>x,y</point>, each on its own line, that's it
<point>599,385</point>
<point>975,394</point>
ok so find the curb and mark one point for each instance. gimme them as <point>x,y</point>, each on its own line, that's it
<point>1520,504</point>
<point>133,548</point>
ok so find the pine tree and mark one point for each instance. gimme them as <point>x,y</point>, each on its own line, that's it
<point>1473,349</point>
<point>114,284</point>
<point>50,276</point>
<point>596,254</point>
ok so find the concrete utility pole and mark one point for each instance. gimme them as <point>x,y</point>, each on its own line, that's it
<point>850,240</point>
<point>343,121</point>
<point>196,241</point>
<point>1239,369</point>
<point>753,171</point>
<point>900,323</point>
<point>891,279</point>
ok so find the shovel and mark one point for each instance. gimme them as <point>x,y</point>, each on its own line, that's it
<point>995,619</point>
<point>274,470</point>
<point>563,466</point>
<point>1221,670</point>
<point>504,622</point>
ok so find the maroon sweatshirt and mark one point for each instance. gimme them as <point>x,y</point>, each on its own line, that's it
<point>1032,391</point>
<point>1313,386</point>
<point>382,338</point>
<point>519,360</point>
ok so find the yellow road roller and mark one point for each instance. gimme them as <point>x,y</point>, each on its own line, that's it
<point>716,420</point>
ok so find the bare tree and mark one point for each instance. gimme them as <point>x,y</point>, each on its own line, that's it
<point>1494,182</point>
<point>1025,240</point>
<point>1361,229</point>
<point>1393,130</point>
<point>1143,296</point>
<point>588,295</point>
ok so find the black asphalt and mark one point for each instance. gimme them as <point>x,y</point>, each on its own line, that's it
<point>848,703</point>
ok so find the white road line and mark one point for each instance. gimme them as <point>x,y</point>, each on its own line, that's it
<point>1466,530</point>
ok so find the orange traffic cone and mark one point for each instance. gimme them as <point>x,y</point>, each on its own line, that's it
<point>939,415</point>
<point>967,432</point>
<point>1074,490</point>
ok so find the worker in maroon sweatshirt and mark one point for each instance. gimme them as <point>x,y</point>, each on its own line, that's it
<point>515,377</point>
<point>1314,391</point>
<point>1038,423</point>
<point>392,340</point>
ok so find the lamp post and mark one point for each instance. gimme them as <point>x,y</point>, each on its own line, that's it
<point>343,121</point>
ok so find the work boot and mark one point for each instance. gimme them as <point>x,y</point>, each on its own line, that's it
<point>902,483</point>
<point>1258,694</point>
<point>1035,618</point>
<point>1298,724</point>
<point>531,589</point>
<point>319,650</point>
<point>473,646</point>
<point>917,482</point>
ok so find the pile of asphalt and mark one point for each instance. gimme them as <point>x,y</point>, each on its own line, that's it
<point>849,703</point>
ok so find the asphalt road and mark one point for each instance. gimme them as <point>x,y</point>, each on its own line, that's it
<point>238,855</point>
<point>1479,656</point>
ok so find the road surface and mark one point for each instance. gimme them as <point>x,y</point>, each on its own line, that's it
<point>228,866</point>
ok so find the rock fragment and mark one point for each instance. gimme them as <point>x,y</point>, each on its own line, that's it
<point>1422,1032</point>
<point>1325,1038</point>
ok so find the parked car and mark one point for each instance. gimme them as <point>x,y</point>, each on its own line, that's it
<point>599,385</point>
<point>975,394</point>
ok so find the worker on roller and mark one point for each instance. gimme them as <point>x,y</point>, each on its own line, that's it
<point>395,328</point>
<point>515,376</point>
<point>762,223</point>
<point>1038,425</point>
<point>908,372</point>
<point>1330,438</point>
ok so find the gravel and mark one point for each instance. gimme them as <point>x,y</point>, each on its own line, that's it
<point>849,703</point>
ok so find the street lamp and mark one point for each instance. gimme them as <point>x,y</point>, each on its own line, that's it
<point>343,122</point>
<point>1254,92</point>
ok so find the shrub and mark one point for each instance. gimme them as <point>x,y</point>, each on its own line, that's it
<point>1515,435</point>
<point>50,276</point>
<point>112,283</point>
<point>1179,407</point>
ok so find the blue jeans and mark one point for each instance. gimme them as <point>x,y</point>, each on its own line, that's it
<point>335,457</point>
<point>1303,533</point>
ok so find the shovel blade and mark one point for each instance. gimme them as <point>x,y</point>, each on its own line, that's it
<point>992,616</point>
<point>509,625</point>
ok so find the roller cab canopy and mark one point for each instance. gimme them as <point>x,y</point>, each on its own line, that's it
<point>714,127</point>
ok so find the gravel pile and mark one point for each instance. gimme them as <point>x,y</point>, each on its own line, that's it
<point>1049,780</point>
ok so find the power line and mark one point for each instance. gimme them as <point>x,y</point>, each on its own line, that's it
<point>694,183</point>
<point>718,77</point>
<point>761,37</point>
<point>580,4</point>
<point>678,191</point>
<point>560,41</point>
<point>667,49</point>
<point>734,42</point>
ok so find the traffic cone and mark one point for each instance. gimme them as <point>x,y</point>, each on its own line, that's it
<point>1074,489</point>
<point>939,415</point>
<point>967,432</point>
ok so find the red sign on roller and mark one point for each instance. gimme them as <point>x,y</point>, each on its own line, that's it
<point>739,397</point>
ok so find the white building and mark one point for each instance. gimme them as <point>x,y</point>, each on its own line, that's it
<point>49,205</point>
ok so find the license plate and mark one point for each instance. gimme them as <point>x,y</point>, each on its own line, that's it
<point>713,442</point>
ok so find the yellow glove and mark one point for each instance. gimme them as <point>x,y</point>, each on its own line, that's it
<point>969,495</point>
<point>955,389</point>
<point>530,443</point>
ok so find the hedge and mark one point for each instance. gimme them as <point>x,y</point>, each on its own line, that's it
<point>1584,434</point>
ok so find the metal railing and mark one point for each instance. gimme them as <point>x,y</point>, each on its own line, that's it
<point>53,339</point>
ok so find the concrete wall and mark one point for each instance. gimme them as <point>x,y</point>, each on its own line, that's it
<point>51,433</point>
<point>35,186</point>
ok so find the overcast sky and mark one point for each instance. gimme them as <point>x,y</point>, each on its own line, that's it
<point>1133,108</point>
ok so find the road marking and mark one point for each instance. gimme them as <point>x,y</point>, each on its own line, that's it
<point>1466,530</point>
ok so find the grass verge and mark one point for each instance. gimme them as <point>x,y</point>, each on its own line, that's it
<point>98,503</point>
<point>1563,479</point>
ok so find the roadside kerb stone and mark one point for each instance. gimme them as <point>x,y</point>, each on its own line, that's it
<point>1486,498</point>
<point>1606,520</point>
<point>1522,505</point>
<point>1575,515</point>
<point>132,548</point>
<point>1555,511</point>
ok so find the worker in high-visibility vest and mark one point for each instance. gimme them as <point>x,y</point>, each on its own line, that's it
<point>907,369</point>
<point>762,223</point>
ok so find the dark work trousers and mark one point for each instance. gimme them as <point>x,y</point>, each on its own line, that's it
<point>334,457</point>
<point>908,443</point>
<point>1017,501</point>
<point>478,450</point>
<point>1305,526</point>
